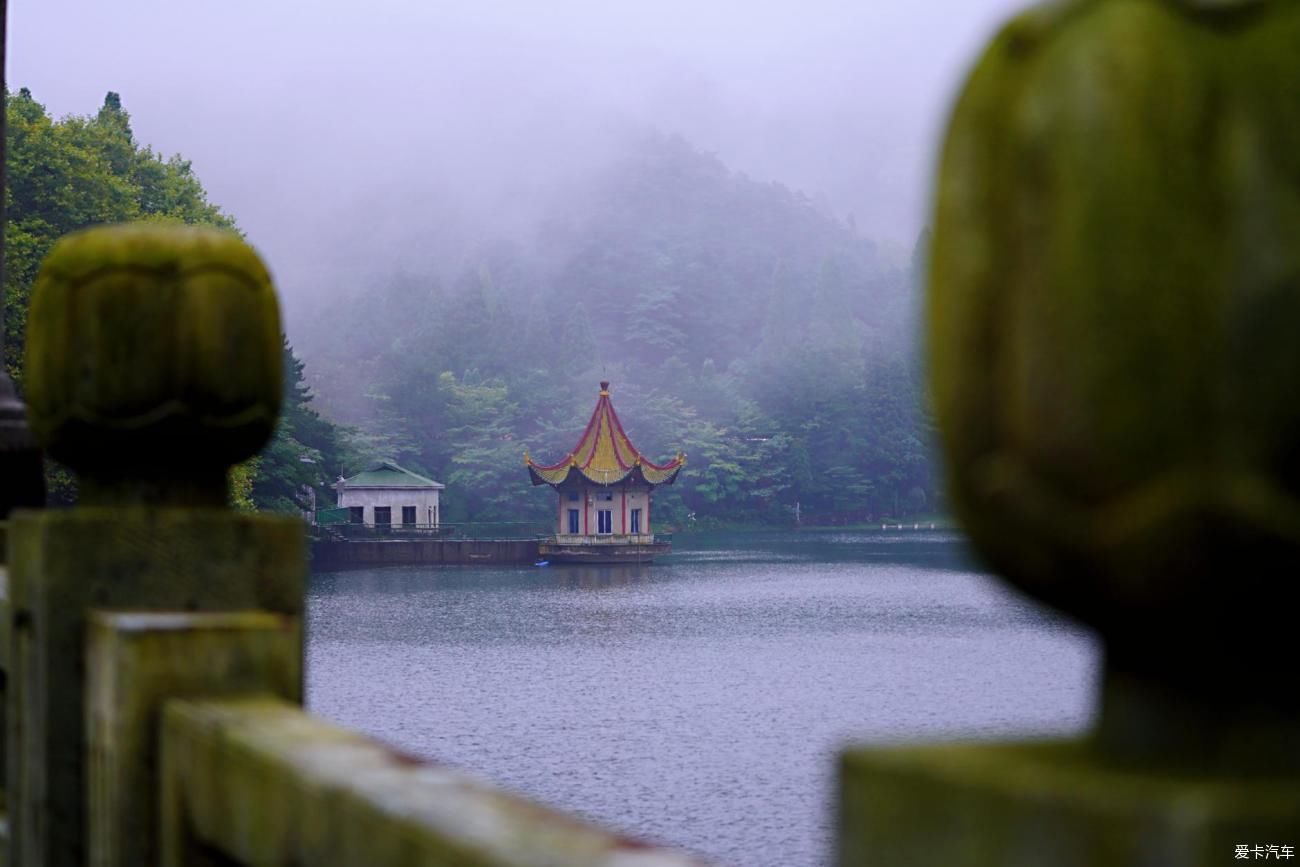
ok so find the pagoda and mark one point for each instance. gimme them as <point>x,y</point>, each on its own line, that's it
<point>604,487</point>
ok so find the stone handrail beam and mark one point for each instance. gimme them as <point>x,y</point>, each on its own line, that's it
<point>264,783</point>
<point>196,744</point>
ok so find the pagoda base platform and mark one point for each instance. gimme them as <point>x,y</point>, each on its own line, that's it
<point>614,551</point>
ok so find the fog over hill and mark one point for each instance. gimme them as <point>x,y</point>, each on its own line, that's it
<point>740,321</point>
<point>355,141</point>
<point>475,211</point>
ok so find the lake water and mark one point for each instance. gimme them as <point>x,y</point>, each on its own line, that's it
<point>698,702</point>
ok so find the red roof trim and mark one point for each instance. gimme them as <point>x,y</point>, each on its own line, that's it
<point>623,448</point>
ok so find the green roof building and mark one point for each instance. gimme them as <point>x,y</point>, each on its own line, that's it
<point>387,495</point>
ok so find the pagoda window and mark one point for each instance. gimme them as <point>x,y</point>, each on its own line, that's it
<point>573,521</point>
<point>635,527</point>
<point>573,496</point>
<point>605,521</point>
<point>606,496</point>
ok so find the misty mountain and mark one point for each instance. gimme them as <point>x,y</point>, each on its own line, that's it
<point>666,256</point>
<point>675,255</point>
<point>738,320</point>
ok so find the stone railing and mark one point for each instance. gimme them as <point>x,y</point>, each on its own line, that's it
<point>155,639</point>
<point>1116,248</point>
<point>1115,277</point>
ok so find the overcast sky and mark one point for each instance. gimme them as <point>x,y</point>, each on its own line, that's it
<point>350,139</point>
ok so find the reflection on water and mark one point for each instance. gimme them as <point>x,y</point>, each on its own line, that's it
<point>698,701</point>
<point>596,576</point>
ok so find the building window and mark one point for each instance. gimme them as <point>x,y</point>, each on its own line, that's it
<point>408,515</point>
<point>573,496</point>
<point>606,496</point>
<point>383,516</point>
<point>636,522</point>
<point>573,521</point>
<point>605,521</point>
<point>356,514</point>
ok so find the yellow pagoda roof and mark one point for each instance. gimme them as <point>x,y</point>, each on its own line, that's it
<point>604,455</point>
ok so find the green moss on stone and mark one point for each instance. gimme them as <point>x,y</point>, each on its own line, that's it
<point>1115,274</point>
<point>1030,804</point>
<point>153,356</point>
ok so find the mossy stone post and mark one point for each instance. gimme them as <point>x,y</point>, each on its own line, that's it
<point>135,663</point>
<point>153,365</point>
<point>1114,293</point>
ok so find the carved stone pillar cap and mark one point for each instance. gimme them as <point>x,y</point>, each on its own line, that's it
<point>153,351</point>
<point>1114,286</point>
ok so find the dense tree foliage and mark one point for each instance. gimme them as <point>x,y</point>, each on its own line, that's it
<point>78,172</point>
<point>305,455</point>
<point>738,321</point>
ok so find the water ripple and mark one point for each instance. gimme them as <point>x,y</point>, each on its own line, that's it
<point>699,702</point>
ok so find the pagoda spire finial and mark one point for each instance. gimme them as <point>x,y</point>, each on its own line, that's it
<point>604,388</point>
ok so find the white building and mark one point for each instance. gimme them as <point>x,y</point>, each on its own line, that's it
<point>388,495</point>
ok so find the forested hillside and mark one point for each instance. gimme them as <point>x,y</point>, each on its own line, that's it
<point>737,321</point>
<point>69,174</point>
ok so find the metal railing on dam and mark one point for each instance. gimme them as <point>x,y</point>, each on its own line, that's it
<point>344,546</point>
<point>1115,276</point>
<point>499,531</point>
